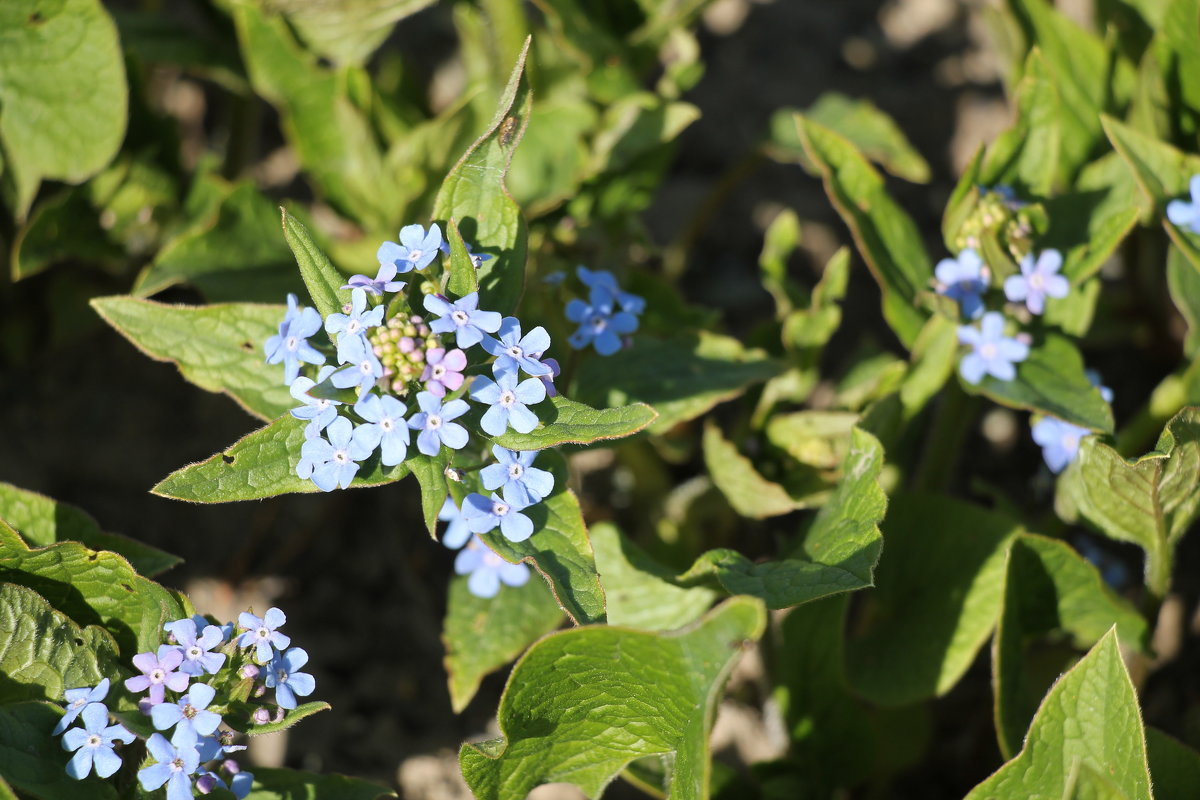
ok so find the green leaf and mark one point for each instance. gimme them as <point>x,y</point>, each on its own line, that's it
<point>1051,381</point>
<point>680,378</point>
<point>347,32</point>
<point>1018,157</point>
<point>324,282</point>
<point>570,702</point>
<point>42,521</point>
<point>1183,281</point>
<point>63,228</point>
<point>560,550</point>
<point>933,358</point>
<point>302,711</point>
<point>569,422</point>
<point>936,599</point>
<point>781,239</point>
<point>886,236</point>
<point>639,592</point>
<point>750,494</point>
<point>32,760</point>
<point>837,554</point>
<point>483,634</point>
<point>1088,222</point>
<point>1048,588</point>
<point>463,278</point>
<point>260,464</point>
<point>1088,726</point>
<point>474,196</point>
<point>431,475</point>
<point>43,652</point>
<point>1174,48</point>
<point>219,348</point>
<point>92,588</point>
<point>811,328</point>
<point>1174,767</point>
<point>273,783</point>
<point>63,91</point>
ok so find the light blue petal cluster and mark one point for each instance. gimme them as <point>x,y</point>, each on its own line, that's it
<point>1037,281</point>
<point>600,324</point>
<point>196,656</point>
<point>992,353</point>
<point>262,633</point>
<point>385,428</point>
<point>484,514</point>
<point>520,483</point>
<point>334,462</point>
<point>285,678</point>
<point>964,279</point>
<point>1059,441</point>
<point>174,765</point>
<point>487,570</point>
<point>78,700</point>
<point>93,743</point>
<point>319,411</point>
<point>462,318</point>
<point>1185,214</point>
<point>416,249</point>
<point>509,401</point>
<point>291,345</point>
<point>514,351</point>
<point>436,425</point>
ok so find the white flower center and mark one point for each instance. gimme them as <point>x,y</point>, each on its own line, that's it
<point>499,508</point>
<point>988,351</point>
<point>194,652</point>
<point>387,425</point>
<point>157,675</point>
<point>365,367</point>
<point>433,422</point>
<point>507,398</point>
<point>414,255</point>
<point>341,456</point>
<point>323,403</point>
<point>352,326</point>
<point>599,323</point>
<point>293,342</point>
<point>515,471</point>
<point>460,317</point>
<point>438,372</point>
<point>515,351</point>
<point>281,675</point>
<point>177,764</point>
<point>93,740</point>
<point>263,633</point>
<point>1037,282</point>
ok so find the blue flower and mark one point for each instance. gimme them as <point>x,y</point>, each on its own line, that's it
<point>483,515</point>
<point>159,673</point>
<point>964,279</point>
<point>992,352</point>
<point>365,369</point>
<point>416,250</point>
<point>603,279</point>
<point>381,283</point>
<point>435,426</point>
<point>1037,281</point>
<point>523,484</point>
<point>509,401</point>
<point>462,318</point>
<point>1095,380</point>
<point>457,532</point>
<point>77,700</point>
<point>599,324</point>
<point>514,351</point>
<point>174,764</point>
<point>352,326</point>
<point>1183,214</point>
<point>386,425</point>
<point>1059,441</point>
<point>333,463</point>
<point>282,676</point>
<point>319,411</point>
<point>291,345</point>
<point>262,633</point>
<point>189,714</point>
<point>487,570</point>
<point>93,743</point>
<point>196,656</point>
<point>477,259</point>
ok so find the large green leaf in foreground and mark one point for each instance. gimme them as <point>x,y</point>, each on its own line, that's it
<point>584,703</point>
<point>217,347</point>
<point>33,761</point>
<point>1086,740</point>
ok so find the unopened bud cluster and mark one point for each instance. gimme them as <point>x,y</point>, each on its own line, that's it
<point>401,344</point>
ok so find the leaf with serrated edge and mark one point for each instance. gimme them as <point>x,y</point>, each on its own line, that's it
<point>219,347</point>
<point>261,464</point>
<point>1090,719</point>
<point>838,554</point>
<point>483,634</point>
<point>474,192</point>
<point>323,280</point>
<point>42,521</point>
<point>32,759</point>
<point>584,703</point>
<point>570,422</point>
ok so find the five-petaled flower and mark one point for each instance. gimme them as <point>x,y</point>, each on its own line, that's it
<point>603,279</point>
<point>600,324</point>
<point>483,514</point>
<point>262,633</point>
<point>79,699</point>
<point>158,673</point>
<point>462,318</point>
<point>196,656</point>
<point>364,371</point>
<point>174,763</point>
<point>284,678</point>
<point>443,370</point>
<point>1059,441</point>
<point>291,345</point>
<point>992,353</point>
<point>386,427</point>
<point>189,715</point>
<point>319,411</point>
<point>1037,281</point>
<point>93,743</point>
<point>487,570</point>
<point>434,421</point>
<point>353,325</point>
<point>964,279</point>
<point>457,533</point>
<point>1184,214</point>
<point>514,351</point>
<point>416,250</point>
<point>523,484</point>
<point>334,462</point>
<point>509,401</point>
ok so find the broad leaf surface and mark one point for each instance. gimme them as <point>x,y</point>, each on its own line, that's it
<point>431,475</point>
<point>219,347</point>
<point>1088,726</point>
<point>680,378</point>
<point>349,31</point>
<point>565,421</point>
<point>837,554</point>
<point>936,599</point>
<point>483,634</point>
<point>63,91</point>
<point>34,763</point>
<point>584,703</point>
<point>261,464</point>
<point>475,197</point>
<point>750,494</point>
<point>1049,588</point>
<point>1174,767</point>
<point>274,783</point>
<point>42,521</point>
<point>92,588</point>
<point>1183,280</point>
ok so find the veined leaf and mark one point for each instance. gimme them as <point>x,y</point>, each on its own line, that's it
<point>750,494</point>
<point>32,760</point>
<point>569,422</point>
<point>324,282</point>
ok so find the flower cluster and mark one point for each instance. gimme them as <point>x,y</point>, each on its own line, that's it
<point>608,314</point>
<point>487,570</point>
<point>213,677</point>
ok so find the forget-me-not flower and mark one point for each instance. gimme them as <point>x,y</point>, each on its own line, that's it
<point>190,714</point>
<point>319,411</point>
<point>416,249</point>
<point>462,318</point>
<point>1095,380</point>
<point>457,533</point>
<point>291,345</point>
<point>382,282</point>
<point>513,351</point>
<point>353,325</point>
<point>175,763</point>
<point>599,323</point>
<point>1037,281</point>
<point>964,279</point>
<point>159,673</point>
<point>443,370</point>
<point>77,700</point>
<point>196,656</point>
<point>283,676</point>
<point>992,353</point>
<point>93,743</point>
<point>487,570</point>
<point>521,483</point>
<point>509,401</point>
<point>483,514</point>
<point>1059,441</point>
<point>434,421</point>
<point>364,370</point>
<point>603,279</point>
<point>477,259</point>
<point>1184,214</point>
<point>386,425</point>
<point>262,633</point>
<point>334,462</point>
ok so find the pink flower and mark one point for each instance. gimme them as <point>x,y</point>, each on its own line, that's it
<point>443,371</point>
<point>158,673</point>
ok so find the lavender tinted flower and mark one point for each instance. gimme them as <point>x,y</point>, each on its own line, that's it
<point>487,570</point>
<point>483,514</point>
<point>416,249</point>
<point>548,380</point>
<point>284,677</point>
<point>385,427</point>
<point>523,484</point>
<point>382,282</point>
<point>334,462</point>
<point>443,371</point>
<point>196,656</point>
<point>509,401</point>
<point>992,352</point>
<point>319,411</point>
<point>262,633</point>
<point>462,318</point>
<point>457,532</point>
<point>1037,281</point>
<point>964,280</point>
<point>174,765</point>
<point>514,351</point>
<point>1059,441</point>
<point>79,699</point>
<point>158,673</point>
<point>1184,214</point>
<point>291,345</point>
<point>189,715</point>
<point>434,421</point>
<point>93,744</point>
